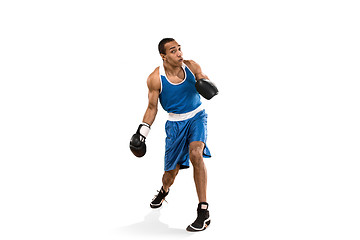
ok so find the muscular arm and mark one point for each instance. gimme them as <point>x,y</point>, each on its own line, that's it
<point>196,69</point>
<point>153,83</point>
<point>203,85</point>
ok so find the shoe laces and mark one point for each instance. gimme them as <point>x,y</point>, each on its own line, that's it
<point>201,215</point>
<point>155,196</point>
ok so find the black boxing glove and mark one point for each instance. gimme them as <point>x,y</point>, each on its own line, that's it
<point>206,88</point>
<point>137,141</point>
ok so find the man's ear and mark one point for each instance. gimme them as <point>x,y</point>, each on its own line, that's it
<point>163,56</point>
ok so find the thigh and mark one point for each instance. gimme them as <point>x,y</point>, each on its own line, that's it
<point>198,135</point>
<point>198,128</point>
<point>176,147</point>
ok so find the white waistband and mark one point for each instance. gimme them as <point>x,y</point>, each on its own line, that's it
<point>184,116</point>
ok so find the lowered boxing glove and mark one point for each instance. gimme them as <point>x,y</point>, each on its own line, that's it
<point>206,88</point>
<point>137,141</point>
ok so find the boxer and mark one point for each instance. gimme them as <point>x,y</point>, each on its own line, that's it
<point>177,84</point>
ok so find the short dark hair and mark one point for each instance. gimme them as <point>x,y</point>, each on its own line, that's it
<point>162,43</point>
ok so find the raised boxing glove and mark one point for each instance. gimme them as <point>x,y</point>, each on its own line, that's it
<point>206,88</point>
<point>137,141</point>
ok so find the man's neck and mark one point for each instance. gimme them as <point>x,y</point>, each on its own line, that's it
<point>171,70</point>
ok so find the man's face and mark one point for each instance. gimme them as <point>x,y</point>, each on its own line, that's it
<point>173,54</point>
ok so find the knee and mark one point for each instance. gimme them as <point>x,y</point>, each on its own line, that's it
<point>196,156</point>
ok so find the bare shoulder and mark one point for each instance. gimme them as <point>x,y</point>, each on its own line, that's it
<point>194,66</point>
<point>196,69</point>
<point>153,80</point>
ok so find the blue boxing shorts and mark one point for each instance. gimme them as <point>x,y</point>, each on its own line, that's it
<point>179,135</point>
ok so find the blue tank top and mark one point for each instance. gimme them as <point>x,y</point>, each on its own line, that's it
<point>179,97</point>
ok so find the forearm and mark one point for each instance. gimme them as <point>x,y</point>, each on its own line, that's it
<point>137,141</point>
<point>149,116</point>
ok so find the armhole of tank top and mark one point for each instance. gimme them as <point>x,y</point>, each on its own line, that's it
<point>160,79</point>
<point>184,69</point>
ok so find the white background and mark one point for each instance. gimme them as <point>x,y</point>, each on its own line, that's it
<point>284,130</point>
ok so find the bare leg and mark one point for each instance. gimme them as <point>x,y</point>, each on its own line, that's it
<point>169,178</point>
<point>200,174</point>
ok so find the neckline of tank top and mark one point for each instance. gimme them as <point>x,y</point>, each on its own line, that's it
<point>167,79</point>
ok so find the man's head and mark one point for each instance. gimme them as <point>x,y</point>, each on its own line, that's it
<point>170,51</point>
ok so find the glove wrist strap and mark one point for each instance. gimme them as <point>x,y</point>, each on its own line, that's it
<point>144,129</point>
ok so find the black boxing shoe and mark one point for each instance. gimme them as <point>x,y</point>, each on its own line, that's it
<point>159,199</point>
<point>203,219</point>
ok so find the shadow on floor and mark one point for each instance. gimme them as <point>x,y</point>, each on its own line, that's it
<point>152,226</point>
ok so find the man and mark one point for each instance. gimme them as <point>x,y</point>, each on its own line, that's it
<point>177,85</point>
